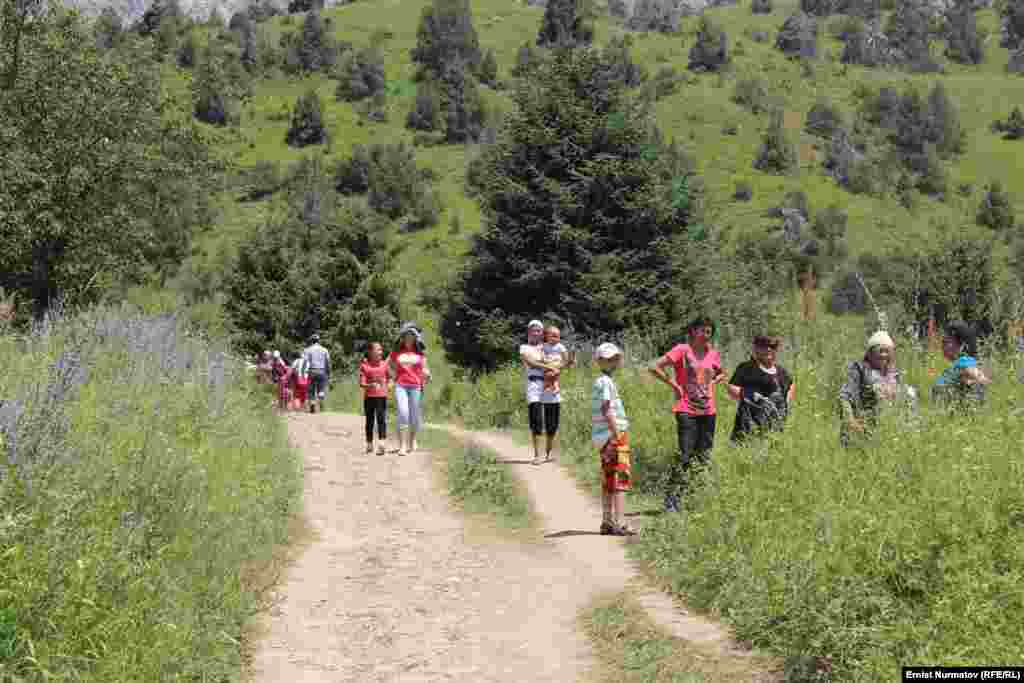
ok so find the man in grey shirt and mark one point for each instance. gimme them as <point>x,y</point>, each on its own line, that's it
<point>318,360</point>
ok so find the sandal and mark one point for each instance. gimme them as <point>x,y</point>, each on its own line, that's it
<point>607,529</point>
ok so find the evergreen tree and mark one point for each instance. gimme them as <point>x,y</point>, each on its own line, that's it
<point>464,112</point>
<point>711,51</point>
<point>489,68</point>
<point>360,75</point>
<point>1013,127</point>
<point>108,29</point>
<point>909,35</point>
<point>996,209</point>
<point>445,34</point>
<point>250,56</point>
<point>943,127</point>
<point>151,19</point>
<point>525,58</point>
<point>565,24</point>
<point>663,16</point>
<point>963,44</point>
<point>585,217</point>
<point>777,154</point>
<point>307,124</point>
<point>798,36</point>
<point>1012,20</point>
<point>426,112</point>
<point>761,7</point>
<point>187,51</point>
<point>299,6</point>
<point>819,8</point>
<point>212,93</point>
<point>316,49</point>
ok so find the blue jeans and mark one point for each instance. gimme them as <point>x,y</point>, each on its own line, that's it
<point>408,400</point>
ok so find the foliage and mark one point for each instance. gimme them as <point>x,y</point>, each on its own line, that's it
<point>798,36</point>
<point>565,24</point>
<point>752,94</point>
<point>108,29</point>
<point>144,479</point>
<point>462,108</point>
<point>1012,20</point>
<point>319,268</point>
<point>361,74</point>
<point>778,153</point>
<point>607,201</point>
<point>761,6</point>
<point>307,125</point>
<point>711,51</point>
<point>909,37</point>
<point>823,120</point>
<point>996,209</point>
<point>963,44</point>
<point>663,16</point>
<point>214,96</point>
<point>426,112</point>
<point>489,68</point>
<point>1013,127</point>
<point>300,6</point>
<point>445,35</point>
<point>86,140</point>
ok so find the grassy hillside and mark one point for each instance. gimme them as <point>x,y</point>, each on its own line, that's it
<point>695,115</point>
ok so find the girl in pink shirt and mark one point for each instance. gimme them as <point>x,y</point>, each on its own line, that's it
<point>373,378</point>
<point>408,368</point>
<point>697,370</point>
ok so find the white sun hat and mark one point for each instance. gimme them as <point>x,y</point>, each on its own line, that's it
<point>607,350</point>
<point>534,323</point>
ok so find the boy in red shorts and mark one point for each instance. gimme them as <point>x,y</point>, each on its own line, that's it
<point>609,428</point>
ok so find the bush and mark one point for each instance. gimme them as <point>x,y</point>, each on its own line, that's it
<point>426,112</point>
<point>489,68</point>
<point>361,75</point>
<point>146,476</point>
<point>1013,127</point>
<point>395,183</point>
<point>564,24</point>
<point>823,119</point>
<point>711,51</point>
<point>445,35</point>
<point>777,154</point>
<point>744,192</point>
<point>760,36</point>
<point>307,126</point>
<point>525,58</point>
<point>761,6</point>
<point>664,84</point>
<point>845,26</point>
<point>663,16</point>
<point>752,94</point>
<point>798,37</point>
<point>908,35</point>
<point>963,44</point>
<point>996,209</point>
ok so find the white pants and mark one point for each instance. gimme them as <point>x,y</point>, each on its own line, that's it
<point>408,399</point>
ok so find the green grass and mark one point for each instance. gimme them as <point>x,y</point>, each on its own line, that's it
<point>907,551</point>
<point>478,483</point>
<point>631,648</point>
<point>694,115</point>
<point>138,545</point>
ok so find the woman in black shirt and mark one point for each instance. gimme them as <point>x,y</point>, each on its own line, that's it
<point>764,390</point>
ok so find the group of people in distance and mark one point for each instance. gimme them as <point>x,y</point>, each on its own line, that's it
<point>764,390</point>
<point>301,383</point>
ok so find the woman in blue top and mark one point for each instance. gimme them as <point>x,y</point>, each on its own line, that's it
<point>963,381</point>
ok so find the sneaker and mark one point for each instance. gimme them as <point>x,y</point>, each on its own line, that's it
<point>413,448</point>
<point>369,448</point>
<point>623,530</point>
<point>380,449</point>
<point>402,451</point>
<point>536,461</point>
<point>607,529</point>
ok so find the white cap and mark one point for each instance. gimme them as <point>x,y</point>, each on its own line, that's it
<point>535,323</point>
<point>881,338</point>
<point>277,354</point>
<point>607,350</point>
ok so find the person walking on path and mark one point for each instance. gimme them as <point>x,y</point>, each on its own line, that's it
<point>698,369</point>
<point>872,385</point>
<point>609,434</point>
<point>532,355</point>
<point>407,367</point>
<point>374,380</point>
<point>763,389</point>
<point>318,362</point>
<point>555,356</point>
<point>300,383</point>
<point>962,384</point>
<point>284,385</point>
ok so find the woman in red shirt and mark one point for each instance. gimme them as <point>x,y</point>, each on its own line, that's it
<point>373,378</point>
<point>408,369</point>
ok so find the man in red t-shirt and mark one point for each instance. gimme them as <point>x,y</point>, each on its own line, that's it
<point>698,369</point>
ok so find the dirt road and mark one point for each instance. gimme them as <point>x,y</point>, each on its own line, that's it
<point>393,588</point>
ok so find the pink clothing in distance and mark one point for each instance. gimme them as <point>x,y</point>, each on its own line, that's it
<point>695,376</point>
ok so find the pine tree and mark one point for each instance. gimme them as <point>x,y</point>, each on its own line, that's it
<point>464,112</point>
<point>996,209</point>
<point>360,75</point>
<point>798,36</point>
<point>307,125</point>
<point>316,49</point>
<point>711,51</point>
<point>564,25</point>
<point>963,44</point>
<point>585,216</point>
<point>761,7</point>
<point>187,52</point>
<point>426,112</point>
<point>777,154</point>
<point>211,89</point>
<point>299,6</point>
<point>445,34</point>
<point>1012,20</point>
<point>909,35</point>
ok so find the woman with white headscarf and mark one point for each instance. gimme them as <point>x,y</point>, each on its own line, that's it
<point>872,385</point>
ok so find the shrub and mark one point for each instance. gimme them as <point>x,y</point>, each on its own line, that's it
<point>963,44</point>
<point>361,75</point>
<point>744,192</point>
<point>798,37</point>
<point>352,175</point>
<point>663,16</point>
<point>823,119</point>
<point>307,125</point>
<point>464,112</point>
<point>752,94</point>
<point>845,26</point>
<point>996,209</point>
<point>489,68</point>
<point>908,34</point>
<point>819,8</point>
<point>564,24</point>
<point>760,36</point>
<point>426,112</point>
<point>664,84</point>
<point>525,58</point>
<point>374,108</point>
<point>711,51</point>
<point>300,6</point>
<point>777,154</point>
<point>620,64</point>
<point>761,6</point>
<point>315,47</point>
<point>263,180</point>
<point>1013,127</point>
<point>1011,24</point>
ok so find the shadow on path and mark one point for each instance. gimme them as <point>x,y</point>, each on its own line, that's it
<point>574,532</point>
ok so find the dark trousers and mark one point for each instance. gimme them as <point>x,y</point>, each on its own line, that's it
<point>696,434</point>
<point>376,410</point>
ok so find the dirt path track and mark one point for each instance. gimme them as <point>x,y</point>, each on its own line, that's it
<point>393,589</point>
